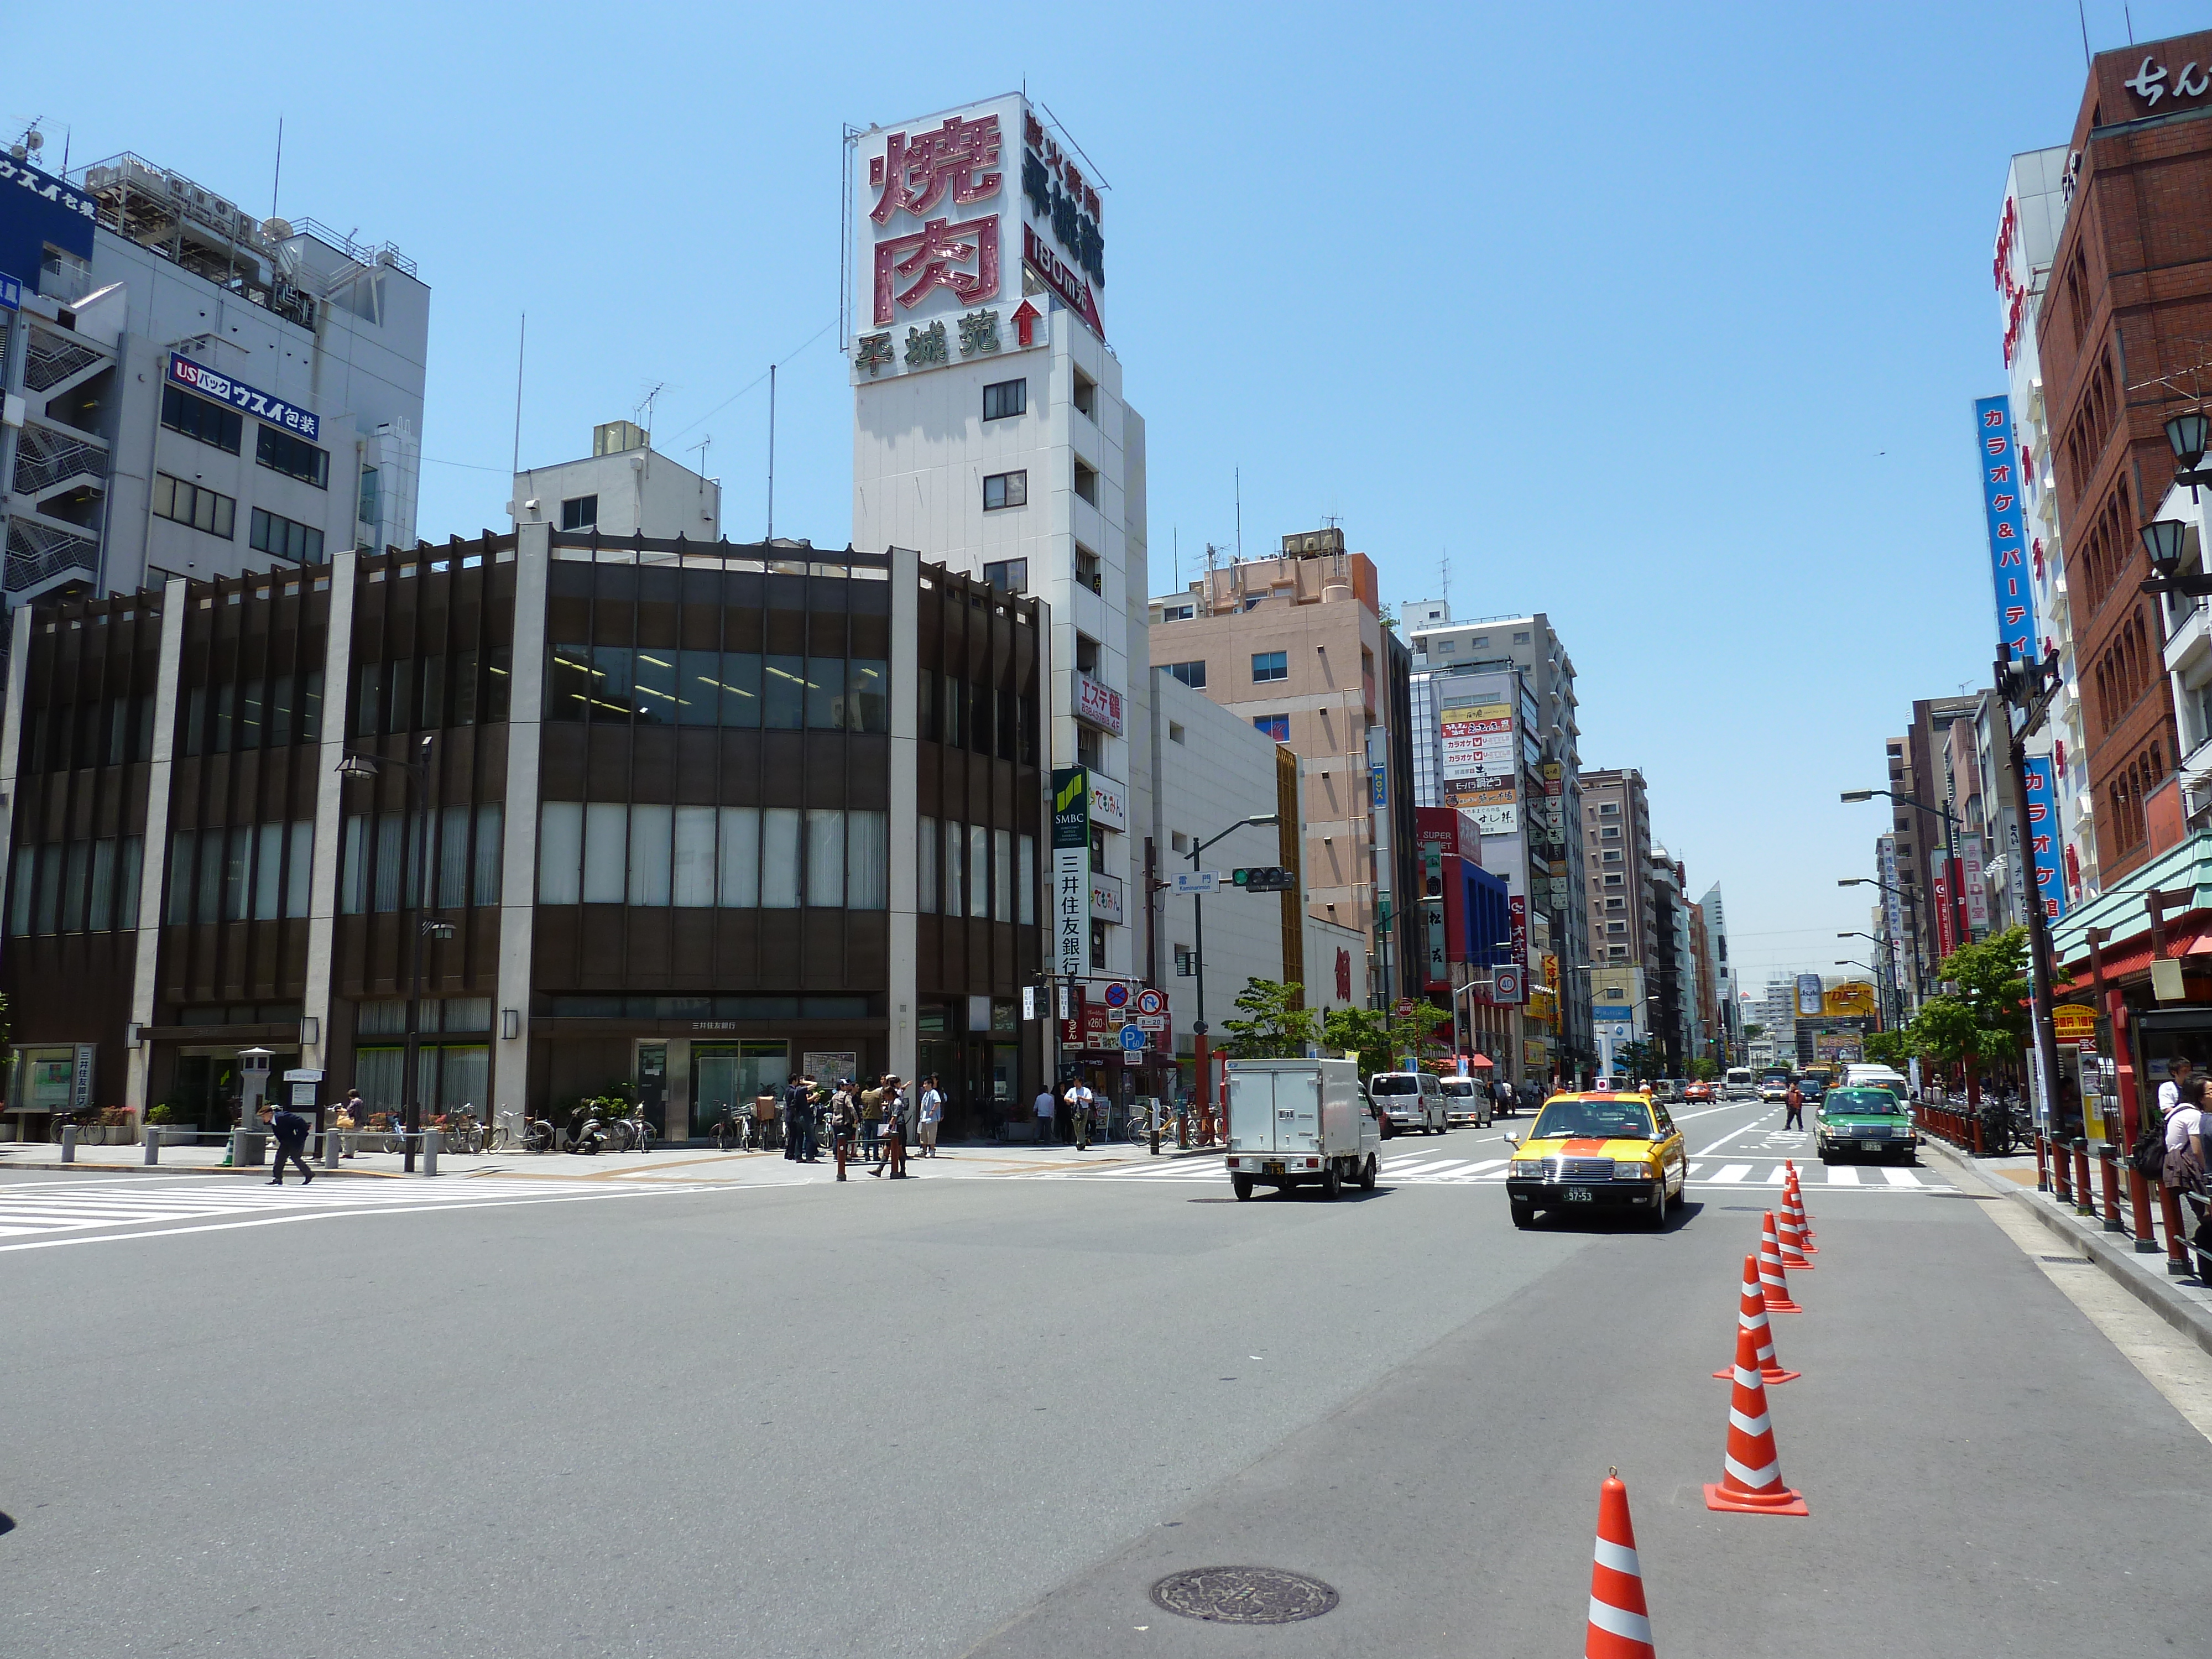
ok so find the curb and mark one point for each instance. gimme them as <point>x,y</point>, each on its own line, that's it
<point>7,1164</point>
<point>2119,1262</point>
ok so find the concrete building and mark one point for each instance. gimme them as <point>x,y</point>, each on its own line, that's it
<point>1727,1007</point>
<point>1550,794</point>
<point>624,488</point>
<point>1616,842</point>
<point>990,432</point>
<point>189,391</point>
<point>1669,969</point>
<point>1295,645</point>
<point>1774,1013</point>
<point>698,817</point>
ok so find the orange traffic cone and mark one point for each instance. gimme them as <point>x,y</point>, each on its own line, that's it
<point>1620,1623</point>
<point>1795,1190</point>
<point>1773,1283</point>
<point>1751,1470</point>
<point>1754,1334</point>
<point>1793,1243</point>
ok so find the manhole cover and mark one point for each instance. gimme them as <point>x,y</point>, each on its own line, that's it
<point>1243,1596</point>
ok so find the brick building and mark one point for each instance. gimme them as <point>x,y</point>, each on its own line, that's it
<point>2122,335</point>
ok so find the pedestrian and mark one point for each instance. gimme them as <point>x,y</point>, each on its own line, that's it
<point>1079,1101</point>
<point>871,1123</point>
<point>291,1131</point>
<point>2171,1091</point>
<point>895,1108</point>
<point>798,1118</point>
<point>933,1112</point>
<point>353,1111</point>
<point>1044,1109</point>
<point>1794,1101</point>
<point>844,1119</point>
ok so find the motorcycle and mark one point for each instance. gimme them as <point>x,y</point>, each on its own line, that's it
<point>589,1134</point>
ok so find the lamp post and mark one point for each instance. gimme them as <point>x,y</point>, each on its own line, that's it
<point>420,779</point>
<point>1954,877</point>
<point>1459,991</point>
<point>1905,893</point>
<point>1199,1048</point>
<point>1881,983</point>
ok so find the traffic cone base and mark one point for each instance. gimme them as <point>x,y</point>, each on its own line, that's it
<point>1784,1503</point>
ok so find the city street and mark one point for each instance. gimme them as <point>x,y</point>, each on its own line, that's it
<point>491,1416</point>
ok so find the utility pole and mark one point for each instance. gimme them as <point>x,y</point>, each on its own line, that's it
<point>2029,687</point>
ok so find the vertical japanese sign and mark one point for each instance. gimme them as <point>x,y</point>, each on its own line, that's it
<point>1977,892</point>
<point>1516,992</point>
<point>2008,527</point>
<point>2041,809</point>
<point>1946,940</point>
<point>1070,869</point>
<point>1893,909</point>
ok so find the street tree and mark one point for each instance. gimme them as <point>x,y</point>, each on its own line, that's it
<point>1274,1027</point>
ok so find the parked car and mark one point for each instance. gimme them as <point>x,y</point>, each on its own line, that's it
<point>1409,1100</point>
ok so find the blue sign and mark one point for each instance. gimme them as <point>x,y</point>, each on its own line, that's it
<point>1607,1011</point>
<point>184,372</point>
<point>11,293</point>
<point>1133,1036</point>
<point>1375,788</point>
<point>2003,504</point>
<point>38,210</point>
<point>2042,808</point>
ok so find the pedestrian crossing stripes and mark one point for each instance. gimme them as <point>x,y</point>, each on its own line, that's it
<point>39,1214</point>
<point>1432,1169</point>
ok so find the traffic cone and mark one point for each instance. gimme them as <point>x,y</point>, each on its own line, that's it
<point>1794,1192</point>
<point>1751,1470</point>
<point>1773,1283</point>
<point>1620,1623</point>
<point>1793,1247</point>
<point>1754,1334</point>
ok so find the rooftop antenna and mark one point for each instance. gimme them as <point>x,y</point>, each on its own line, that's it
<point>771,452</point>
<point>2084,17</point>
<point>644,410</point>
<point>1240,515</point>
<point>521,346</point>
<point>1177,534</point>
<point>1445,571</point>
<point>278,178</point>
<point>32,141</point>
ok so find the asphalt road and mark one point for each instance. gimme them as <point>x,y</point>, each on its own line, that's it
<point>983,1416</point>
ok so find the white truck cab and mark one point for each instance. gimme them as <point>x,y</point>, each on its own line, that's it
<point>1295,1121</point>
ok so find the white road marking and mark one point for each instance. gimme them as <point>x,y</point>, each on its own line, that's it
<point>1732,1176</point>
<point>1842,1175</point>
<point>1732,1134</point>
<point>1901,1178</point>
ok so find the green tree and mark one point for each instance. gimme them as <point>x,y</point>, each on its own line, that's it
<point>1362,1032</point>
<point>1704,1071</point>
<point>1992,980</point>
<point>1636,1059</point>
<point>1754,1031</point>
<point>1890,1049</point>
<point>1275,1026</point>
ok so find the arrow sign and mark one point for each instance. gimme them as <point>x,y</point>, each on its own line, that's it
<point>1025,321</point>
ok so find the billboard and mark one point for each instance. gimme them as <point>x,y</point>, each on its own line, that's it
<point>1070,869</point>
<point>37,208</point>
<point>950,211</point>
<point>2041,809</point>
<point>2007,520</point>
<point>1978,890</point>
<point>1809,1005</point>
<point>1477,740</point>
<point>1851,999</point>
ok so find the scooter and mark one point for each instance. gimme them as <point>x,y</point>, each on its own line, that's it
<point>588,1135</point>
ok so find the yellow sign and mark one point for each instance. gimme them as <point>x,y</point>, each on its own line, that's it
<point>1552,970</point>
<point>2073,1022</point>
<point>1543,1005</point>
<point>1853,999</point>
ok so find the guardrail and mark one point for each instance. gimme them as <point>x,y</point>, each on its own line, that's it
<point>2152,1215</point>
<point>1963,1129</point>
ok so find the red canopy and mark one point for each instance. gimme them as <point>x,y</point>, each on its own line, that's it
<point>1482,1060</point>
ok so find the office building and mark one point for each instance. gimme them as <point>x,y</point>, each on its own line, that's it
<point>688,816</point>
<point>191,392</point>
<point>624,488</point>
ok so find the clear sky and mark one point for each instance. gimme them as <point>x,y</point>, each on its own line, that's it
<point>1665,320</point>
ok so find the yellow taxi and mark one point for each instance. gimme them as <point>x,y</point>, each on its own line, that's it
<point>1610,1150</point>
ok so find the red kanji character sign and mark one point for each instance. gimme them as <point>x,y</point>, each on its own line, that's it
<point>916,172</point>
<point>932,257</point>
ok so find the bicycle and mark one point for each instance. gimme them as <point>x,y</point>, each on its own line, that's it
<point>636,1133</point>
<point>519,1132</point>
<point>461,1131</point>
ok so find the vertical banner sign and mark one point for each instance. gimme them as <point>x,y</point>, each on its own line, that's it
<point>1945,943</point>
<point>1071,868</point>
<point>2042,806</point>
<point>1517,907</point>
<point>1893,909</point>
<point>2008,525</point>
<point>1977,892</point>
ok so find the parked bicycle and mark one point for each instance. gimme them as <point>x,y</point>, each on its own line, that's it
<point>459,1130</point>
<point>636,1134</point>
<point>517,1132</point>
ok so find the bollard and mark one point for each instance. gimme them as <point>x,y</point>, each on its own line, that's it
<point>2084,1201</point>
<point>838,1141</point>
<point>2176,1246</point>
<point>1974,1123</point>
<point>153,1143</point>
<point>69,1143</point>
<point>430,1139</point>
<point>2062,1173</point>
<point>2139,1202</point>
<point>2108,1157</point>
<point>2042,1162</point>
<point>330,1149</point>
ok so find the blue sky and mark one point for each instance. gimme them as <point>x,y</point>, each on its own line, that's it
<point>1664,320</point>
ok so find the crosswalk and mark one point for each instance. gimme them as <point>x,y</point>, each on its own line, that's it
<point>1430,1168</point>
<point>39,1214</point>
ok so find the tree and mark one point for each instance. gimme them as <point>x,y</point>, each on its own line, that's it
<point>1704,1071</point>
<point>1754,1031</point>
<point>1277,1028</point>
<point>1890,1049</point>
<point>1636,1059</point>
<point>1992,980</point>
<point>1379,1039</point>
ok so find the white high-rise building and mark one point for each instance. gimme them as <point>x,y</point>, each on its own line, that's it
<point>990,434</point>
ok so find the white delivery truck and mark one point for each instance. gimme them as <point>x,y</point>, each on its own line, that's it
<point>1294,1121</point>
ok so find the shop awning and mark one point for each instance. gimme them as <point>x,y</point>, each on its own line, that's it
<point>2130,957</point>
<point>1481,1062</point>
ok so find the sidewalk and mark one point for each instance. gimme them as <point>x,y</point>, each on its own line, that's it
<point>2184,1303</point>
<point>690,1164</point>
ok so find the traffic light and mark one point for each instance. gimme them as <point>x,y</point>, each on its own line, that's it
<point>1265,879</point>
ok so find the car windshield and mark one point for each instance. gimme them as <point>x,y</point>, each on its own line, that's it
<point>1458,1085</point>
<point>1594,1120</point>
<point>1398,1083</point>
<point>1878,1102</point>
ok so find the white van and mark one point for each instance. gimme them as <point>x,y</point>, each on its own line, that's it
<point>1866,1074</point>
<point>1409,1100</point>
<point>1739,1085</point>
<point>1466,1100</point>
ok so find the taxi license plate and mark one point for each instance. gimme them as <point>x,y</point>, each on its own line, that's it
<point>1578,1194</point>
<point>1271,1167</point>
<point>1870,1145</point>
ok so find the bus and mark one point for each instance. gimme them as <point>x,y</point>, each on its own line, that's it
<point>1738,1085</point>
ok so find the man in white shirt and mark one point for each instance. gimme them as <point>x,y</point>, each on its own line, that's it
<point>1044,1109</point>
<point>2169,1092</point>
<point>1079,1099</point>
<point>933,1112</point>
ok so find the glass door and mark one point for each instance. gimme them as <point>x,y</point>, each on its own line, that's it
<point>725,1077</point>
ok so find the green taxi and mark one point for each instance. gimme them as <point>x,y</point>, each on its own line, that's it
<point>1864,1123</point>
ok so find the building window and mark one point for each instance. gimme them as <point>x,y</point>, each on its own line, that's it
<point>1270,665</point>
<point>84,887</point>
<point>1192,674</point>
<point>1098,947</point>
<point>1086,395</point>
<point>1617,953</point>
<point>1616,904</point>
<point>692,857</point>
<point>248,872</point>
<point>1008,575</point>
<point>1088,751</point>
<point>295,458</point>
<point>196,417</point>
<point>579,513</point>
<point>1615,878</point>
<point>1086,483</point>
<point>1616,927</point>
<point>1277,726</point>
<point>1610,832</point>
<point>1176,733</point>
<point>1520,639</point>
<point>1004,490</point>
<point>286,539</point>
<point>1006,399</point>
<point>1184,962</point>
<point>1613,855</point>
<point>1177,612</point>
<point>1086,569</point>
<point>1609,809</point>
<point>202,509</point>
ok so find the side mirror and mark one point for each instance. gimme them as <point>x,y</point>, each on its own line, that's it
<point>1513,1140</point>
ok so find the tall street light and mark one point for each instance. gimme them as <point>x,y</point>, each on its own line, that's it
<point>1919,994</point>
<point>419,777</point>
<point>1954,877</point>
<point>1459,991</point>
<point>1881,982</point>
<point>1198,1047</point>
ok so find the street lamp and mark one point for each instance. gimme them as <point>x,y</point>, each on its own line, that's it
<point>419,778</point>
<point>1911,903</point>
<point>1459,991</point>
<point>1881,979</point>
<point>1199,1048</point>
<point>1950,848</point>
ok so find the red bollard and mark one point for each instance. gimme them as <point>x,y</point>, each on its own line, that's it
<point>2042,1162</point>
<point>2108,1157</point>
<point>1976,1121</point>
<point>2176,1246</point>
<point>2084,1201</point>
<point>2139,1202</point>
<point>2062,1173</point>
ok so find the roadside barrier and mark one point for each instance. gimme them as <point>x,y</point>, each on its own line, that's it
<point>1793,1248</point>
<point>1620,1622</point>
<point>1773,1282</point>
<point>2108,1171</point>
<point>2152,1217</point>
<point>1754,1332</point>
<point>1794,1192</point>
<point>2085,1202</point>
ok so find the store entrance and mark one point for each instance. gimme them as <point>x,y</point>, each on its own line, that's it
<point>725,1077</point>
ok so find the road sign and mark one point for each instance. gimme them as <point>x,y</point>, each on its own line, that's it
<point>1404,1007</point>
<point>1133,1036</point>
<point>1198,881</point>
<point>1152,1022</point>
<point>297,1076</point>
<point>11,293</point>
<point>1151,1002</point>
<point>1117,995</point>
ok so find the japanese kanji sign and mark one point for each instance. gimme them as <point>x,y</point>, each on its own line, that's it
<point>2041,809</point>
<point>1070,869</point>
<point>2003,504</point>
<point>263,405</point>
